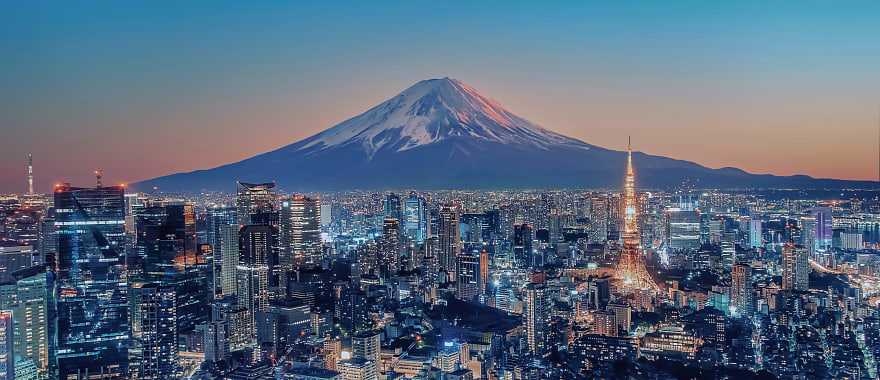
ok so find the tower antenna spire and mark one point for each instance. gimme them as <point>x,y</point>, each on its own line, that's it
<point>30,174</point>
<point>98,175</point>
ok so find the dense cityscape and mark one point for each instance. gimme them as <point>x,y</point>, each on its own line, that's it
<point>101,282</point>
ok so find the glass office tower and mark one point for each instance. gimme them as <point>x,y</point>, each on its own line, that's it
<point>92,294</point>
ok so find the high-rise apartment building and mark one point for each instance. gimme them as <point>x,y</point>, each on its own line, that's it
<point>536,311</point>
<point>741,297</point>
<point>795,267</point>
<point>390,247</point>
<point>154,331</point>
<point>367,345</point>
<point>449,235</point>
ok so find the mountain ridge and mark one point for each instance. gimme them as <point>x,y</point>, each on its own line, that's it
<point>442,133</point>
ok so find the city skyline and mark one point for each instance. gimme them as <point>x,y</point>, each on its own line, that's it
<point>348,190</point>
<point>162,92</point>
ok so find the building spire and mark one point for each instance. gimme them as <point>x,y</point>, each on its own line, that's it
<point>30,174</point>
<point>629,157</point>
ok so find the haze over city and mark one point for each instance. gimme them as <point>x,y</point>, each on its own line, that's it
<point>778,88</point>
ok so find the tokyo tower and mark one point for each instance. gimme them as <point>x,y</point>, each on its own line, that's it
<point>631,269</point>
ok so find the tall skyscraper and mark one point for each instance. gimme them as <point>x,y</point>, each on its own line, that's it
<point>467,277</point>
<point>154,332</point>
<point>449,235</point>
<point>92,296</point>
<point>741,297</point>
<point>824,227</point>
<point>7,354</point>
<point>216,219</point>
<point>254,199</point>
<point>257,258</point>
<point>809,234</point>
<point>536,311</point>
<point>598,218</point>
<point>484,271</point>
<point>415,222</point>
<point>229,257</point>
<point>523,237</point>
<point>27,296</point>
<point>390,249</point>
<point>756,239</point>
<point>300,231</point>
<point>795,267</point>
<point>682,228</point>
<point>167,241</point>
<point>392,207</point>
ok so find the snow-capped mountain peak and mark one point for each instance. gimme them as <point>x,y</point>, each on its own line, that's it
<point>430,111</point>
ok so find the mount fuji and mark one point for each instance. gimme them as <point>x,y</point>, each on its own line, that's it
<point>443,134</point>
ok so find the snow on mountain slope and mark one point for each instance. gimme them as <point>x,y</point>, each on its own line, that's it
<point>431,111</point>
<point>442,134</point>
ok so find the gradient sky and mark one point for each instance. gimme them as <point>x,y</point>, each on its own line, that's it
<point>143,89</point>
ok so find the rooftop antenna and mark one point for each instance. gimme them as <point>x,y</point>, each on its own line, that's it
<point>30,174</point>
<point>98,174</point>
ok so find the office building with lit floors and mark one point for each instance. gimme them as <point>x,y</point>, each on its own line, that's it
<point>795,267</point>
<point>357,369</point>
<point>7,354</point>
<point>449,236</point>
<point>415,218</point>
<point>229,256</point>
<point>166,240</point>
<point>741,297</point>
<point>390,248</point>
<point>467,277</point>
<point>154,332</point>
<point>91,287</point>
<point>535,316</point>
<point>367,345</point>
<point>300,231</point>
<point>254,199</point>
<point>216,220</point>
<point>27,296</point>
<point>593,350</point>
<point>257,257</point>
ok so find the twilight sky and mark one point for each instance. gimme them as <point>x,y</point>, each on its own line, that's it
<point>143,89</point>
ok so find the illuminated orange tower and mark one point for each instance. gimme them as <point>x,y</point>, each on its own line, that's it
<point>631,267</point>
